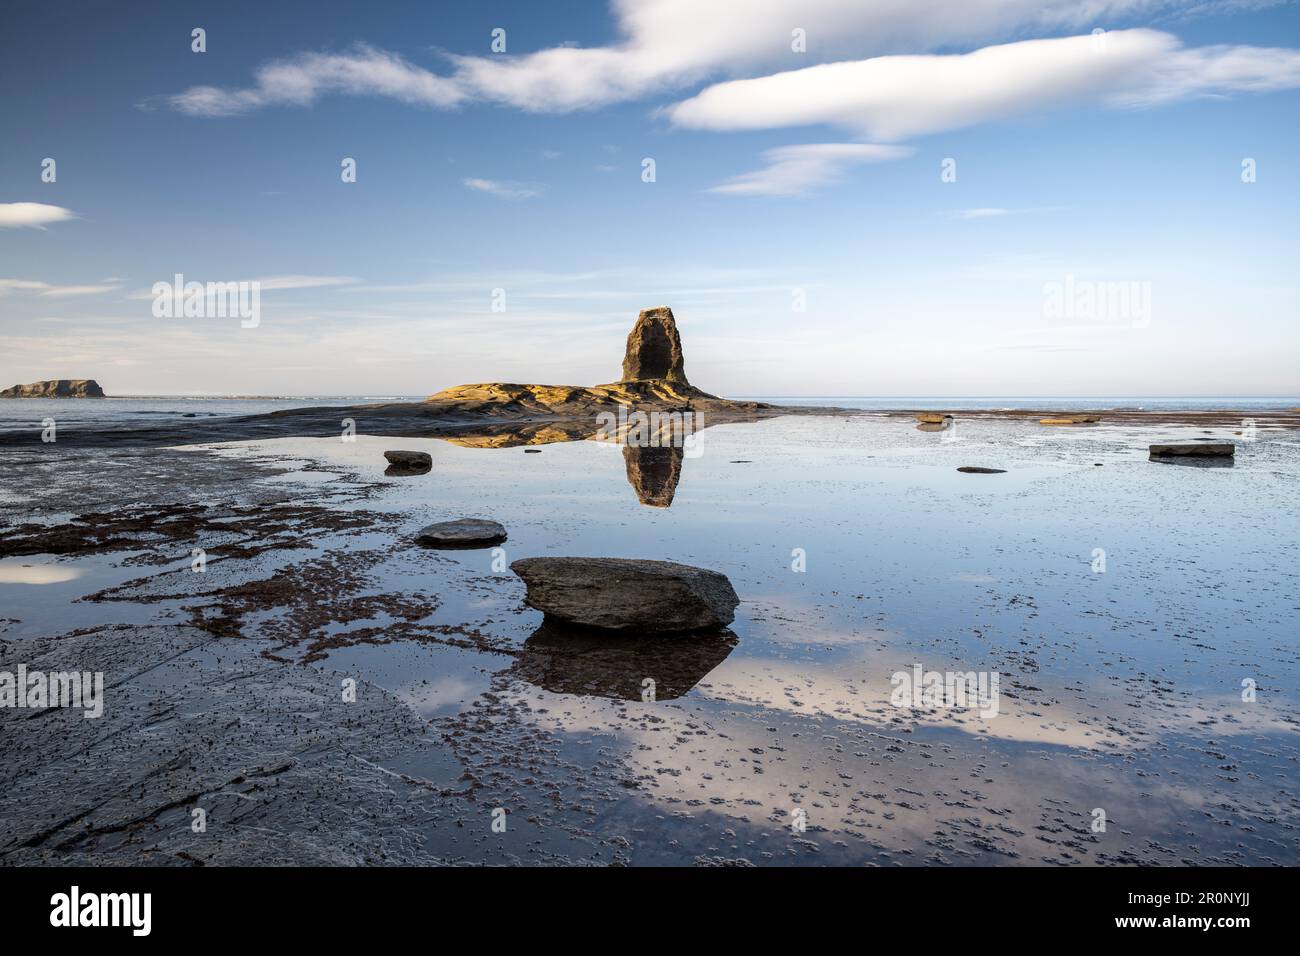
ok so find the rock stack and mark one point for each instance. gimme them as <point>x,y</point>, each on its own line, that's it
<point>654,348</point>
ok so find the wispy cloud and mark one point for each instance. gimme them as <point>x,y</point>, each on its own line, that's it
<point>302,79</point>
<point>35,215</point>
<point>505,189</point>
<point>303,282</point>
<point>46,289</point>
<point>663,45</point>
<point>796,170</point>
<point>996,212</point>
<point>266,283</point>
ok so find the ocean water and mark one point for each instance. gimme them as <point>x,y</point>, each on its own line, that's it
<point>1042,402</point>
<point>1125,605</point>
<point>18,414</point>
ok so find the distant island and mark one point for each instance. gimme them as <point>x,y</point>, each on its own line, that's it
<point>56,388</point>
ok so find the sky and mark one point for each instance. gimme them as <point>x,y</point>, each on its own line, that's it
<point>880,197</point>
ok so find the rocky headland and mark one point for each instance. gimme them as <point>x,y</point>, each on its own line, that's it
<point>56,388</point>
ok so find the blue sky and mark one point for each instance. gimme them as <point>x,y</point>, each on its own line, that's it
<point>1102,162</point>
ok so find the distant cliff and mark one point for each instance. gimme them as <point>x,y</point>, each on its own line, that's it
<point>56,388</point>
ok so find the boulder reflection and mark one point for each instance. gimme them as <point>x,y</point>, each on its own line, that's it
<point>565,659</point>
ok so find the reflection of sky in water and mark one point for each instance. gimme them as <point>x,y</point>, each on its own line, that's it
<point>23,572</point>
<point>1120,689</point>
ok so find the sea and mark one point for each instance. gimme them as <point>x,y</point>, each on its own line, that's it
<point>150,410</point>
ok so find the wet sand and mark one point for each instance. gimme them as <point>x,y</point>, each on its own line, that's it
<point>1121,690</point>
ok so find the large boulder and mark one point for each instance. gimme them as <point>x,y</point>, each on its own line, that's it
<point>654,348</point>
<point>626,594</point>
<point>56,388</point>
<point>1198,449</point>
<point>409,459</point>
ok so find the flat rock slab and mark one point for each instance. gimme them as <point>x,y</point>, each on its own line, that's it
<point>624,594</point>
<point>190,721</point>
<point>932,418</point>
<point>461,533</point>
<point>409,459</point>
<point>1203,449</point>
<point>977,470</point>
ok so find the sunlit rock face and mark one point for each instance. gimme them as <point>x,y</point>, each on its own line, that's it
<point>654,348</point>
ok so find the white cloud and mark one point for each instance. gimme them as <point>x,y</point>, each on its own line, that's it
<point>14,215</point>
<point>895,97</point>
<point>795,170</point>
<point>300,80</point>
<point>669,43</point>
<point>505,189</point>
<point>665,44</point>
<point>46,289</point>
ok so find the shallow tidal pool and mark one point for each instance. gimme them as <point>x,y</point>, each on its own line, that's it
<point>1140,618</point>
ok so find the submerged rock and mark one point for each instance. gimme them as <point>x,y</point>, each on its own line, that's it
<point>56,388</point>
<point>654,348</point>
<point>409,459</point>
<point>461,533</point>
<point>1199,449</point>
<point>979,470</point>
<point>628,594</point>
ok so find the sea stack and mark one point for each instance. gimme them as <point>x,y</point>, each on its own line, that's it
<point>654,349</point>
<point>56,388</point>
